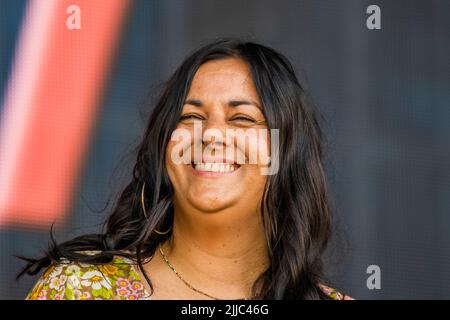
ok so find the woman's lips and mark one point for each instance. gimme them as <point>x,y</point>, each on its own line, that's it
<point>214,169</point>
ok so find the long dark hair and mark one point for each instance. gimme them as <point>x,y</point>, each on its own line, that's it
<point>295,206</point>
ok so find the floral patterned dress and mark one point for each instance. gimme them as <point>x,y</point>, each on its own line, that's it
<point>117,280</point>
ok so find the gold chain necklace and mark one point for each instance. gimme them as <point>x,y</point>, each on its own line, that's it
<point>187,283</point>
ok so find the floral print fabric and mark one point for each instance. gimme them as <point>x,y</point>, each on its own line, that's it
<point>117,280</point>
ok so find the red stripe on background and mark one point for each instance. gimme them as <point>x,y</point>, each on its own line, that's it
<point>50,106</point>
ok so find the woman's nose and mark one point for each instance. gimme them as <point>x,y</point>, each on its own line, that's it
<point>214,131</point>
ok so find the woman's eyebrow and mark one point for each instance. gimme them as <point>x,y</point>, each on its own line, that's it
<point>235,103</point>
<point>194,102</point>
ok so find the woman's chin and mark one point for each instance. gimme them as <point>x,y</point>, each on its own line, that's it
<point>211,203</point>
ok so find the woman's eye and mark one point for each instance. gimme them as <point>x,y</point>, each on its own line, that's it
<point>240,118</point>
<point>191,117</point>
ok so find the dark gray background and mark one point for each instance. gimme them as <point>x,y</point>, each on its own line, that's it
<point>385,95</point>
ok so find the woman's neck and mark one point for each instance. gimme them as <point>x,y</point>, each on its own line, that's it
<point>216,253</point>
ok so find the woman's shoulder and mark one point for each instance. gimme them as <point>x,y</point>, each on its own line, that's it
<point>69,280</point>
<point>334,294</point>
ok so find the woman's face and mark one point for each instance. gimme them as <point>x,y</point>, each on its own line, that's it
<point>222,100</point>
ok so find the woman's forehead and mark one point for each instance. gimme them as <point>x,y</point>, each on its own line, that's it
<point>223,78</point>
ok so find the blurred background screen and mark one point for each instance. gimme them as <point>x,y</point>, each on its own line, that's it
<point>78,78</point>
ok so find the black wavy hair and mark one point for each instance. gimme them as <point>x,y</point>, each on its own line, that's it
<point>295,203</point>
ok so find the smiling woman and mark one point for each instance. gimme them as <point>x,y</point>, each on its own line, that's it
<point>212,226</point>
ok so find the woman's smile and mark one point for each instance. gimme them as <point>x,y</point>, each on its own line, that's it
<point>214,167</point>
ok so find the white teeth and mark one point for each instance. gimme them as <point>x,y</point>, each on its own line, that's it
<point>214,167</point>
